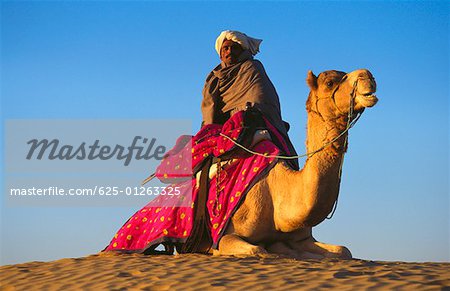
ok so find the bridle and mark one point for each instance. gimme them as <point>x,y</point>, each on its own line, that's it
<point>333,99</point>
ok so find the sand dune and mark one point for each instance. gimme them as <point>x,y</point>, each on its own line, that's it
<point>191,271</point>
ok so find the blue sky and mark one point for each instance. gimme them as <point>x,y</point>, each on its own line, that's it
<point>144,60</point>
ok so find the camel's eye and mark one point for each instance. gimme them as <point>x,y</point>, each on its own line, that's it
<point>330,84</point>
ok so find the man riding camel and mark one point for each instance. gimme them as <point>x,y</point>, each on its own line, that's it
<point>239,102</point>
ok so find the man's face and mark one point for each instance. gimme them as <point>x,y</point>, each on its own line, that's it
<point>230,52</point>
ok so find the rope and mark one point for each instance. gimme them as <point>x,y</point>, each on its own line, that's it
<point>310,154</point>
<point>350,124</point>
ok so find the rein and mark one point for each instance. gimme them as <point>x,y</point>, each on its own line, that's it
<point>350,124</point>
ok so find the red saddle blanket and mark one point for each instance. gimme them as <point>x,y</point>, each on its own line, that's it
<point>169,219</point>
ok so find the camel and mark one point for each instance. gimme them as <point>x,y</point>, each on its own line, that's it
<point>278,213</point>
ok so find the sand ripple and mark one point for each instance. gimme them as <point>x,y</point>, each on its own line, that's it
<point>189,272</point>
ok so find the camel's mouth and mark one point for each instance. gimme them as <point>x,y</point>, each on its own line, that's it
<point>367,99</point>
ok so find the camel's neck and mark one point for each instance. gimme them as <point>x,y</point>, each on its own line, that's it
<point>319,133</point>
<point>320,175</point>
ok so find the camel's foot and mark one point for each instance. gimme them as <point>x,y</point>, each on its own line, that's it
<point>282,249</point>
<point>313,249</point>
<point>333,251</point>
<point>233,245</point>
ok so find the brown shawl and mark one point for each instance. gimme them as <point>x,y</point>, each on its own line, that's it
<point>228,89</point>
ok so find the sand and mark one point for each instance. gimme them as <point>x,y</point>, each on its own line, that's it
<point>192,271</point>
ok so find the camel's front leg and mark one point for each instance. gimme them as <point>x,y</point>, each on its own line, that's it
<point>232,244</point>
<point>311,246</point>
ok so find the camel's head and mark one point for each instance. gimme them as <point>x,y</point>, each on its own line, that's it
<point>332,92</point>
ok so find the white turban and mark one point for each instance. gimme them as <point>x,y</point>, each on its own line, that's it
<point>247,42</point>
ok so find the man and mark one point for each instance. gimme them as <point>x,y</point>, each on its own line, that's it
<point>238,80</point>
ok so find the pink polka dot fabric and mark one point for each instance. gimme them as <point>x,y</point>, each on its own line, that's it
<point>169,219</point>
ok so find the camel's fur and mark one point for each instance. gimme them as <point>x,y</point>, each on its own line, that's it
<point>279,211</point>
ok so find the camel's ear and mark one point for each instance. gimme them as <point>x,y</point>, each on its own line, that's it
<point>311,80</point>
